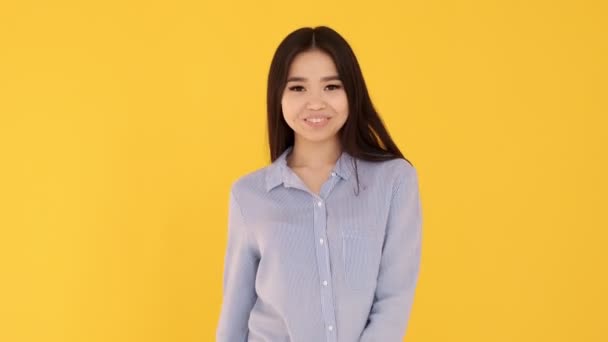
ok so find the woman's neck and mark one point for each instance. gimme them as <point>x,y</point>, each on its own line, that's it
<point>313,155</point>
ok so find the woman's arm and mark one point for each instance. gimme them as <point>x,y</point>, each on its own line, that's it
<point>240,268</point>
<point>399,266</point>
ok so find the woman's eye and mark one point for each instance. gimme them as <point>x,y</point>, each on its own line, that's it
<point>296,88</point>
<point>301,88</point>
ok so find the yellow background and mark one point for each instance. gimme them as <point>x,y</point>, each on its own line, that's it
<point>123,124</point>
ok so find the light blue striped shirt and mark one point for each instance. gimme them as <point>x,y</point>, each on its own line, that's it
<point>335,267</point>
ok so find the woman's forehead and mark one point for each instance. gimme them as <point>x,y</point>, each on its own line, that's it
<point>314,65</point>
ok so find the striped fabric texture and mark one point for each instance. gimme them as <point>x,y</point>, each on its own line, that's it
<point>338,266</point>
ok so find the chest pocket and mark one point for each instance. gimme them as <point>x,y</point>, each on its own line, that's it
<point>361,254</point>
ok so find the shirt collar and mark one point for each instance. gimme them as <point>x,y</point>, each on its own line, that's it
<point>276,172</point>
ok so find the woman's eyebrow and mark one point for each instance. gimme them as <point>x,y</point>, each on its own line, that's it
<point>303,79</point>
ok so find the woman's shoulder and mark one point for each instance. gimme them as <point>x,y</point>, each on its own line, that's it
<point>400,165</point>
<point>395,168</point>
<point>251,181</point>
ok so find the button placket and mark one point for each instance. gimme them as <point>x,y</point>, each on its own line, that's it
<point>324,268</point>
<point>320,211</point>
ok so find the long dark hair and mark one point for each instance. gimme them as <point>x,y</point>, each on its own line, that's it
<point>363,135</point>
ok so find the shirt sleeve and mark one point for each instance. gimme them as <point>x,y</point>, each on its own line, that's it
<point>240,268</point>
<point>399,265</point>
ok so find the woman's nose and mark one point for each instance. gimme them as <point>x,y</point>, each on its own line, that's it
<point>315,102</point>
<point>315,105</point>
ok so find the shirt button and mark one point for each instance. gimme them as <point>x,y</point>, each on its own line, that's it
<point>331,327</point>
<point>320,203</point>
<point>324,282</point>
<point>333,174</point>
<point>321,240</point>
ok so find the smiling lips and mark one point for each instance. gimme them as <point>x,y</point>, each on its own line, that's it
<point>316,121</point>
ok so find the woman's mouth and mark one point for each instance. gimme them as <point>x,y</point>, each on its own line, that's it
<point>316,121</point>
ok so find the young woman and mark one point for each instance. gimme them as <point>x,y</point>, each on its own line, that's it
<point>323,243</point>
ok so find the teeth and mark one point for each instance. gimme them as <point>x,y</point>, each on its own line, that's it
<point>316,120</point>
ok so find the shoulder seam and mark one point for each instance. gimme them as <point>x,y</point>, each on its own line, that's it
<point>248,233</point>
<point>402,179</point>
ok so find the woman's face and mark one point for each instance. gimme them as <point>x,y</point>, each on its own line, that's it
<point>314,102</point>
